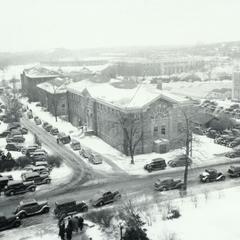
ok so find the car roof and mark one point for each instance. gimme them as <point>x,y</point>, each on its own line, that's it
<point>27,201</point>
<point>39,167</point>
<point>64,201</point>
<point>4,178</point>
<point>211,170</point>
<point>13,182</point>
<point>31,174</point>
<point>158,159</point>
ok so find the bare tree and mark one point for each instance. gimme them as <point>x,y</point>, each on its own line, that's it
<point>132,133</point>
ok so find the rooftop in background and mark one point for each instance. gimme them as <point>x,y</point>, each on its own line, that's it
<point>56,85</point>
<point>40,72</point>
<point>137,97</point>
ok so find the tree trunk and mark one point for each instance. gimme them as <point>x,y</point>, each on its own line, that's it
<point>132,158</point>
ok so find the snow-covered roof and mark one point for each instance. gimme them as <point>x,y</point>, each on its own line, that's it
<point>40,72</point>
<point>136,97</point>
<point>56,85</point>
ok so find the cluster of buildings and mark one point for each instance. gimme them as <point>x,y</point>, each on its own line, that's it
<point>151,118</point>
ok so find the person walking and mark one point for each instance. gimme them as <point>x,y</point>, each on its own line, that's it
<point>80,223</point>
<point>69,229</point>
<point>62,230</point>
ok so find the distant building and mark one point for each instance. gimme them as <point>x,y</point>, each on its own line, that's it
<point>236,85</point>
<point>157,114</point>
<point>52,95</point>
<point>31,77</point>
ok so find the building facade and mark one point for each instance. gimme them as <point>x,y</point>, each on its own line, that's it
<point>31,77</point>
<point>152,115</point>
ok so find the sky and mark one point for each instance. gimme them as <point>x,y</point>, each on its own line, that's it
<point>76,24</point>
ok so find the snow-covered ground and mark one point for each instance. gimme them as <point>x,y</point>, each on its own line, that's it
<point>206,216</point>
<point>196,89</point>
<point>49,230</point>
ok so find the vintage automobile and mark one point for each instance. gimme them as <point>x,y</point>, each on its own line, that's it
<point>18,187</point>
<point>54,131</point>
<point>23,130</point>
<point>31,207</point>
<point>94,158</point>
<point>9,222</point>
<point>234,171</point>
<point>156,164</point>
<point>63,138</point>
<point>38,156</point>
<point>13,147</point>
<point>105,198</point>
<point>16,138</point>
<point>36,177</point>
<point>65,208</point>
<point>5,133</point>
<point>234,154</point>
<point>211,175</point>
<point>168,184</point>
<point>180,161</point>
<point>75,145</point>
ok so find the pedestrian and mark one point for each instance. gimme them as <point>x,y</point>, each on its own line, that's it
<point>69,230</point>
<point>57,141</point>
<point>80,223</point>
<point>62,230</point>
<point>75,223</point>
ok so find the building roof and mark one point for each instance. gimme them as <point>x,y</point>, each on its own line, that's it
<point>56,85</point>
<point>40,72</point>
<point>133,98</point>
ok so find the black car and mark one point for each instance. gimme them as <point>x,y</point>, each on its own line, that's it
<point>234,171</point>
<point>17,187</point>
<point>211,175</point>
<point>36,177</point>
<point>31,207</point>
<point>23,130</point>
<point>48,127</point>
<point>156,164</point>
<point>9,222</point>
<point>5,133</point>
<point>13,147</point>
<point>69,207</point>
<point>106,198</point>
<point>54,131</point>
<point>179,161</point>
<point>168,184</point>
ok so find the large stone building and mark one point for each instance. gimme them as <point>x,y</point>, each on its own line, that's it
<point>148,114</point>
<point>236,85</point>
<point>31,77</point>
<point>52,95</point>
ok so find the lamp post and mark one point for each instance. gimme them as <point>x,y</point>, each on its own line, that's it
<point>121,226</point>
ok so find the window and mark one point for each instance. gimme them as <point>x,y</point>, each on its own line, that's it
<point>155,131</point>
<point>163,130</point>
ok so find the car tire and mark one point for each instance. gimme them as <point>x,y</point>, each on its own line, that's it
<point>22,215</point>
<point>45,210</point>
<point>32,189</point>
<point>173,165</point>
<point>11,193</point>
<point>17,224</point>
<point>48,181</point>
<point>164,189</point>
<point>101,204</point>
<point>223,178</point>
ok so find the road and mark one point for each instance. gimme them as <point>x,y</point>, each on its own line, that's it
<point>131,187</point>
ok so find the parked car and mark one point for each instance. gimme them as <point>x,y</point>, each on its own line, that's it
<point>75,145</point>
<point>168,184</point>
<point>13,125</point>
<point>40,169</point>
<point>38,156</point>
<point>85,153</point>
<point>156,164</point>
<point>54,131</point>
<point>17,187</point>
<point>42,163</point>
<point>94,158</point>
<point>180,161</point>
<point>29,115</point>
<point>234,154</point>
<point>211,175</point>
<point>234,143</point>
<point>27,208</point>
<point>16,138</point>
<point>69,207</point>
<point>29,149</point>
<point>5,133</point>
<point>13,147</point>
<point>234,171</point>
<point>36,177</point>
<point>48,127</point>
<point>9,222</point>
<point>37,121</point>
<point>45,124</point>
<point>106,198</point>
<point>24,130</point>
<point>63,138</point>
